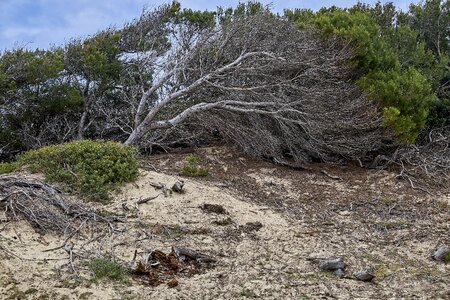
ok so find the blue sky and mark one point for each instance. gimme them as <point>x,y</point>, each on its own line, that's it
<point>41,23</point>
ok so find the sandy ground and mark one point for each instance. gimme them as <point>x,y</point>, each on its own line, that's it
<point>369,218</point>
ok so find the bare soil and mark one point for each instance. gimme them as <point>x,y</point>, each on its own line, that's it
<point>266,227</point>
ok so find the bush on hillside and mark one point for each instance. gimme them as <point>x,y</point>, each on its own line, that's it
<point>88,168</point>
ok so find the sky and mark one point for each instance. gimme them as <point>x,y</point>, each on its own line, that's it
<point>43,23</point>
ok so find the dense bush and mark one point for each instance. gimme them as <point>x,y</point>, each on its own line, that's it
<point>36,103</point>
<point>390,66</point>
<point>406,98</point>
<point>89,168</point>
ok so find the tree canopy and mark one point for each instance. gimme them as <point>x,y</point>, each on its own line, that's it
<point>174,74</point>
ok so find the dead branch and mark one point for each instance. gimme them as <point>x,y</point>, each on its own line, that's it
<point>426,164</point>
<point>161,186</point>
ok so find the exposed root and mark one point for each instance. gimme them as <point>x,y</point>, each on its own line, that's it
<point>426,164</point>
<point>45,207</point>
<point>49,210</point>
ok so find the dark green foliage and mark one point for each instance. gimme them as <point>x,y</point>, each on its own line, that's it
<point>192,169</point>
<point>360,29</point>
<point>431,19</point>
<point>440,113</point>
<point>391,64</point>
<point>420,38</point>
<point>201,19</point>
<point>406,97</point>
<point>107,268</point>
<point>32,94</point>
<point>89,168</point>
<point>243,9</point>
<point>96,58</point>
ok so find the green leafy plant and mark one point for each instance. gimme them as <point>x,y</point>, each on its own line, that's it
<point>88,168</point>
<point>192,169</point>
<point>7,168</point>
<point>106,268</point>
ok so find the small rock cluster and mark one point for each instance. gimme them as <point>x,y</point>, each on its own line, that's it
<point>337,266</point>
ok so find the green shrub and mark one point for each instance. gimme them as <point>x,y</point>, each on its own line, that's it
<point>7,167</point>
<point>406,97</point>
<point>88,168</point>
<point>192,169</point>
<point>106,268</point>
<point>390,65</point>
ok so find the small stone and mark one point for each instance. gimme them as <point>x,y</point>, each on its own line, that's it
<point>172,283</point>
<point>208,240</point>
<point>178,187</point>
<point>366,275</point>
<point>441,253</point>
<point>339,273</point>
<point>332,264</point>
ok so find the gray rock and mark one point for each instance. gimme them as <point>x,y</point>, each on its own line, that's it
<point>339,273</point>
<point>178,187</point>
<point>366,275</point>
<point>332,264</point>
<point>441,253</point>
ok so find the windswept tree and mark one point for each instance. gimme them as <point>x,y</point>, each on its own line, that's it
<point>255,77</point>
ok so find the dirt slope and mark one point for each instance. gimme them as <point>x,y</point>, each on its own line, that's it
<point>367,217</point>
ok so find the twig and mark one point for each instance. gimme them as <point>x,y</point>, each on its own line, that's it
<point>69,250</point>
<point>330,176</point>
<point>145,200</point>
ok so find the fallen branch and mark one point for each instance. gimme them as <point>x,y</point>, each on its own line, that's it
<point>145,200</point>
